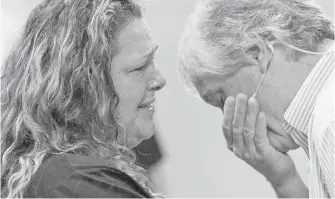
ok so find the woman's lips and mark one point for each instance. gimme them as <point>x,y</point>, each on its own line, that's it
<point>147,110</point>
<point>149,106</point>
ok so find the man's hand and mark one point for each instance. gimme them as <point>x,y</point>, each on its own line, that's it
<point>245,130</point>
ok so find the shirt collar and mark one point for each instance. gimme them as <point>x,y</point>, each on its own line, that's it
<point>299,112</point>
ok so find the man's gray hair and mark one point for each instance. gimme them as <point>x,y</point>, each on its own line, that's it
<point>219,32</point>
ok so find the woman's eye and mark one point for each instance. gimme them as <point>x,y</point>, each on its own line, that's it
<point>144,66</point>
<point>140,68</point>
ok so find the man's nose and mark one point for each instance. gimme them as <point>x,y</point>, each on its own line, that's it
<point>157,83</point>
<point>214,99</point>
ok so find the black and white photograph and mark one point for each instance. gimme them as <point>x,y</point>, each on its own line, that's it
<point>167,98</point>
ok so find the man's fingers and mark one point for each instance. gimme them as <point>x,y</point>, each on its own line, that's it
<point>250,124</point>
<point>238,121</point>
<point>228,115</point>
<point>261,138</point>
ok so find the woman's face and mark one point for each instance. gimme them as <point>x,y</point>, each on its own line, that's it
<point>136,80</point>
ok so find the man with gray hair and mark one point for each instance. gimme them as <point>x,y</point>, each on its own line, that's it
<point>279,54</point>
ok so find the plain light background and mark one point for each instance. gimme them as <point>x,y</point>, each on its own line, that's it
<point>196,161</point>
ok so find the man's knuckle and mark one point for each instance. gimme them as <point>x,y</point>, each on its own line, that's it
<point>226,128</point>
<point>258,140</point>
<point>236,129</point>
<point>248,132</point>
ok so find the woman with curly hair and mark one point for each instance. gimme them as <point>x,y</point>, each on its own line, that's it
<point>77,94</point>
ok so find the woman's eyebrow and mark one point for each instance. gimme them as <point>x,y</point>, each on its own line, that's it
<point>148,52</point>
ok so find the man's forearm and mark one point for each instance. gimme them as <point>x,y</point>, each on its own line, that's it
<point>292,187</point>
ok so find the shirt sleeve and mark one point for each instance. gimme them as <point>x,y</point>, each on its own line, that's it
<point>325,155</point>
<point>98,183</point>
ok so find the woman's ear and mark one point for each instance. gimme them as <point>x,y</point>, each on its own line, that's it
<point>260,54</point>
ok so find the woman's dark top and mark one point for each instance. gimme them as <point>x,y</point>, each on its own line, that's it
<point>76,176</point>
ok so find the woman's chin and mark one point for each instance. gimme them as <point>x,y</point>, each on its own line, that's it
<point>140,136</point>
<point>133,143</point>
<point>146,131</point>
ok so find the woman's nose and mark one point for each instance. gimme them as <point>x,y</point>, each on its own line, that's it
<point>157,83</point>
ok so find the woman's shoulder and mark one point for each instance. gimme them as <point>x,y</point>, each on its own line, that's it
<point>77,176</point>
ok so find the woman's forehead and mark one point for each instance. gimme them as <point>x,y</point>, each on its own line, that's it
<point>136,37</point>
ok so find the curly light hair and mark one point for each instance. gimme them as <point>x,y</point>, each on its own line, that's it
<point>56,89</point>
<point>219,32</point>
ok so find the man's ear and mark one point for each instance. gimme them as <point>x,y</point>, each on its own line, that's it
<point>260,53</point>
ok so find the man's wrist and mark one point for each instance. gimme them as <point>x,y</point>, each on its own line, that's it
<point>283,178</point>
<point>290,186</point>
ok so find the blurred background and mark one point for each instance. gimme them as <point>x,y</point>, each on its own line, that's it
<point>188,156</point>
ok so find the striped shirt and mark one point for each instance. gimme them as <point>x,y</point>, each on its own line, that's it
<point>310,121</point>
